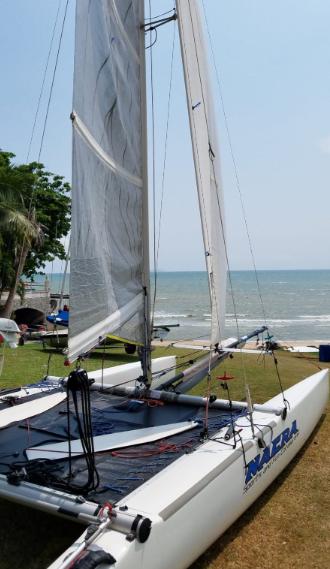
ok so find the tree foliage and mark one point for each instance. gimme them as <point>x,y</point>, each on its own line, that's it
<point>34,216</point>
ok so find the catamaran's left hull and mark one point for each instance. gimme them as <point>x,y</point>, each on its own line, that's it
<point>163,369</point>
<point>195,499</point>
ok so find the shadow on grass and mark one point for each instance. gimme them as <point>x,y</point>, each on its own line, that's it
<point>119,357</point>
<point>31,539</point>
<point>205,560</point>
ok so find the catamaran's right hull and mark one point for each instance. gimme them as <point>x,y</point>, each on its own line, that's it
<point>195,499</point>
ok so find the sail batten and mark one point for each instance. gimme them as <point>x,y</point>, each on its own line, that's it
<point>84,132</point>
<point>90,337</point>
<point>108,276</point>
<point>123,32</point>
<point>203,130</point>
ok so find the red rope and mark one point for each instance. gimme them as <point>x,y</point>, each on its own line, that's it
<point>106,506</point>
<point>152,402</point>
<point>162,447</point>
<point>79,556</point>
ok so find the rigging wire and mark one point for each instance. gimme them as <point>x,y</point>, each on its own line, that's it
<point>152,102</point>
<point>163,170</point>
<point>63,261</point>
<point>53,78</point>
<point>43,81</point>
<point>206,230</point>
<point>238,185</point>
<point>152,43</point>
<point>217,196</point>
<point>205,431</point>
<point>52,263</point>
<point>161,15</point>
<point>30,208</point>
<point>214,173</point>
<point>174,367</point>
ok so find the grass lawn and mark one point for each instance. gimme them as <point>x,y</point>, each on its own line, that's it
<point>288,526</point>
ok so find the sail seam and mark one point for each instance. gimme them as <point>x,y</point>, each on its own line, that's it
<point>94,145</point>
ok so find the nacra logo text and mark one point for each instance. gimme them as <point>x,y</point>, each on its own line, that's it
<point>258,463</point>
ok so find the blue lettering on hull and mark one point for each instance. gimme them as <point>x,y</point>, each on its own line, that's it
<point>257,464</point>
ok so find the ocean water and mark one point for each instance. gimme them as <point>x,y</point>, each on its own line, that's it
<point>297,303</point>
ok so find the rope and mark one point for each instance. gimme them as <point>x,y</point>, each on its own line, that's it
<point>243,451</point>
<point>78,382</point>
<point>102,368</point>
<point>285,401</point>
<point>48,364</point>
<point>155,40</point>
<point>159,448</point>
<point>208,395</point>
<point>2,358</point>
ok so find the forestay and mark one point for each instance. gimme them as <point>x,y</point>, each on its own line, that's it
<point>206,156</point>
<point>108,258</point>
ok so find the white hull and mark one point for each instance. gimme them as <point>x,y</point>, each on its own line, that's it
<point>58,339</point>
<point>127,374</point>
<point>195,499</point>
<point>123,374</point>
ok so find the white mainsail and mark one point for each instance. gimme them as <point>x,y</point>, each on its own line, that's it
<point>206,157</point>
<point>109,247</point>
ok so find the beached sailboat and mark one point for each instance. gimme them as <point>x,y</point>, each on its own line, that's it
<point>155,473</point>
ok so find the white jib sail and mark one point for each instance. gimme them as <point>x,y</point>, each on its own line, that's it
<point>108,251</point>
<point>206,156</point>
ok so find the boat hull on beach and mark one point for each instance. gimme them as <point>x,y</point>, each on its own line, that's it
<point>197,497</point>
<point>156,473</point>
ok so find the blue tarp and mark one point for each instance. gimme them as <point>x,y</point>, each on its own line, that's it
<point>61,318</point>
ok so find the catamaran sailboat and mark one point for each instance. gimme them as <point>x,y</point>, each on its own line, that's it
<point>156,474</point>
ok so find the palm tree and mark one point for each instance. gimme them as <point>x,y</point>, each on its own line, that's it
<point>19,226</point>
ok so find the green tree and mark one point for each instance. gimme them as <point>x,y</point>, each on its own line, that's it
<point>34,216</point>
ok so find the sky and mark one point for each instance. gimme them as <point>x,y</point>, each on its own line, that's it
<point>273,59</point>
